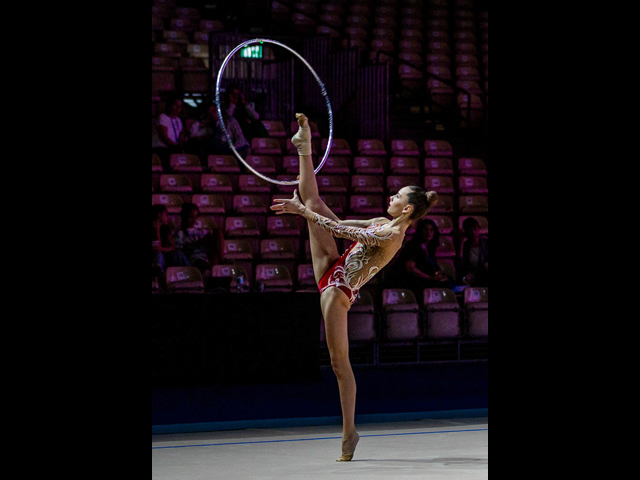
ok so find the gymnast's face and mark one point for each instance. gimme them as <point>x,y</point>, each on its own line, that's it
<point>398,202</point>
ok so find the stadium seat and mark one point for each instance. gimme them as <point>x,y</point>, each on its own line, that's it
<point>404,166</point>
<point>277,249</point>
<point>437,148</point>
<point>172,201</point>
<point>339,147</point>
<point>247,204</point>
<point>275,128</point>
<point>443,222</point>
<point>156,163</point>
<point>265,146</point>
<point>234,271</point>
<point>336,166</point>
<point>367,184</point>
<point>336,203</point>
<point>262,163</point>
<point>368,165</point>
<point>306,277</point>
<point>397,182</point>
<point>438,166</point>
<point>205,222</point>
<point>361,319</point>
<point>216,183</point>
<point>447,248</point>
<point>441,313</point>
<point>283,225</point>
<point>476,308</point>
<point>223,164</point>
<point>291,164</point>
<point>184,280</point>
<point>331,184</point>
<point>183,162</point>
<point>274,277</point>
<point>367,204</point>
<point>401,315</point>
<point>237,249</point>
<point>440,184</point>
<point>370,146</point>
<point>472,184</point>
<point>175,182</point>
<point>209,203</point>
<point>241,227</point>
<point>473,204</point>
<point>404,148</point>
<point>250,183</point>
<point>471,166</point>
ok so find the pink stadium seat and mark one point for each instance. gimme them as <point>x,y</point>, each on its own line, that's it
<point>244,204</point>
<point>223,164</point>
<point>209,203</point>
<point>173,182</point>
<point>401,315</point>
<point>442,314</point>
<point>404,148</point>
<point>367,184</point>
<point>216,183</point>
<point>250,183</point>
<point>368,165</point>
<point>172,201</point>
<point>371,146</point>
<point>404,166</point>
<point>437,148</point>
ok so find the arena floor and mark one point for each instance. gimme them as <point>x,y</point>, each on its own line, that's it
<point>434,449</point>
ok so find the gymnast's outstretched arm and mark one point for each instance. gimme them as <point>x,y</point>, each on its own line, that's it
<point>367,236</point>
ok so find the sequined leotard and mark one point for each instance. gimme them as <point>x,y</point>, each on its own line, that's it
<point>374,247</point>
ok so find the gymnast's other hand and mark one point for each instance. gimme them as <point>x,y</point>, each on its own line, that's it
<point>283,205</point>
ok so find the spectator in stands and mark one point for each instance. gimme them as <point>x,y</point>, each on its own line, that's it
<point>208,138</point>
<point>170,129</point>
<point>474,269</point>
<point>417,266</point>
<point>201,247</point>
<point>249,120</point>
<point>163,251</point>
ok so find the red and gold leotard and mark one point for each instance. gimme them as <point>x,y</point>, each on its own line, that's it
<point>374,247</point>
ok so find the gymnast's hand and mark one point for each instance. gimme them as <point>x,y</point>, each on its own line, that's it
<point>288,206</point>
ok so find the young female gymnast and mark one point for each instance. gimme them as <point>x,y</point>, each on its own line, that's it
<point>340,277</point>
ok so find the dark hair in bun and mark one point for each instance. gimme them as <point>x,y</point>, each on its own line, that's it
<point>422,201</point>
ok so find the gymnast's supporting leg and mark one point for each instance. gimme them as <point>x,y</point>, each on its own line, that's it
<point>334,302</point>
<point>335,305</point>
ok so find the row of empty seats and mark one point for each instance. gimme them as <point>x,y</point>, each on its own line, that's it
<point>438,314</point>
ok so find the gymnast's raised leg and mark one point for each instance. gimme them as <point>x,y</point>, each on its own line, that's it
<point>334,303</point>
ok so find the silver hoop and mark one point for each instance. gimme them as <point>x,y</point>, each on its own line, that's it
<point>323,91</point>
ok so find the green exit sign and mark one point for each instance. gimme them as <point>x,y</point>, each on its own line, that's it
<point>254,51</point>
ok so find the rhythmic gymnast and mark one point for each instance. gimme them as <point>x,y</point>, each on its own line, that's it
<point>340,277</point>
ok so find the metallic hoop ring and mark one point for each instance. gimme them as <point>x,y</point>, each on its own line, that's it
<point>323,91</point>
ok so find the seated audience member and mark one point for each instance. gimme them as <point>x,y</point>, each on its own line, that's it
<point>202,248</point>
<point>208,138</point>
<point>474,264</point>
<point>235,106</point>
<point>163,252</point>
<point>170,130</point>
<point>416,268</point>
